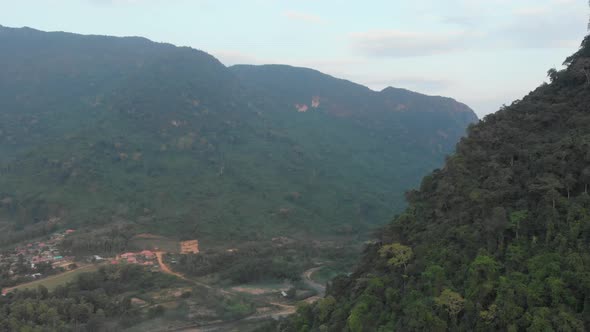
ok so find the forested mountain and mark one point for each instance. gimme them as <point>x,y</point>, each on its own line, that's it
<point>396,114</point>
<point>496,240</point>
<point>99,130</point>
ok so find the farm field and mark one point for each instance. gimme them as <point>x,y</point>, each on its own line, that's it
<point>53,281</point>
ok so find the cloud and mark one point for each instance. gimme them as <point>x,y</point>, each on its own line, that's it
<point>544,27</point>
<point>461,21</point>
<point>422,84</point>
<point>232,57</point>
<point>397,43</point>
<point>378,82</point>
<point>118,2</point>
<point>131,2</point>
<point>303,17</point>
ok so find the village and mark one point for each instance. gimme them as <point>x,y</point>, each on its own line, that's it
<point>37,260</point>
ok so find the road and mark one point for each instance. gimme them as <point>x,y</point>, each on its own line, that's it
<point>320,288</point>
<point>283,311</point>
<point>166,269</point>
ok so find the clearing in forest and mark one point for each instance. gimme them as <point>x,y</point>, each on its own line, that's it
<point>53,281</point>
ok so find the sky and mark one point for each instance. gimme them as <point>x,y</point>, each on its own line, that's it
<point>482,53</point>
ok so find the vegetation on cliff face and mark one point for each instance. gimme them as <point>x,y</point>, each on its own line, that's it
<point>99,130</point>
<point>496,240</point>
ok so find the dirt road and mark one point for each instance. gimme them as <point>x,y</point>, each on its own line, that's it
<point>166,269</point>
<point>282,311</point>
<point>320,288</point>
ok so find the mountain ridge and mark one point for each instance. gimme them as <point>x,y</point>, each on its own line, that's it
<point>99,130</point>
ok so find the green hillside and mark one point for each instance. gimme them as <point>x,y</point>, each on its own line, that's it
<point>496,240</point>
<point>98,131</point>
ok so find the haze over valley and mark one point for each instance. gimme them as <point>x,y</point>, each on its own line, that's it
<point>146,186</point>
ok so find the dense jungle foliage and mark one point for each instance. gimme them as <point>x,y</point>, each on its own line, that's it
<point>496,240</point>
<point>100,130</point>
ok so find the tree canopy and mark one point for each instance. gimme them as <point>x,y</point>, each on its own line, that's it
<point>500,235</point>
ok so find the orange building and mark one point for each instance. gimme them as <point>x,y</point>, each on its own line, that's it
<point>189,247</point>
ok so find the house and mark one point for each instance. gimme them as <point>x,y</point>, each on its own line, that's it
<point>315,102</point>
<point>189,247</point>
<point>301,108</point>
<point>147,254</point>
<point>128,255</point>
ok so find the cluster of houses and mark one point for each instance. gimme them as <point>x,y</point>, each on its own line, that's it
<point>35,253</point>
<point>145,257</point>
<point>32,260</point>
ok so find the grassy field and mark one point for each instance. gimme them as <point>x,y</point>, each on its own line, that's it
<point>261,288</point>
<point>60,279</point>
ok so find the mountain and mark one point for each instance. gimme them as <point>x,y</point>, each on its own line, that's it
<point>98,131</point>
<point>429,122</point>
<point>498,239</point>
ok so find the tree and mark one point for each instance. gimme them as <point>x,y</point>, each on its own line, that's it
<point>547,186</point>
<point>516,219</point>
<point>434,279</point>
<point>552,74</point>
<point>586,178</point>
<point>324,308</point>
<point>452,302</point>
<point>397,255</point>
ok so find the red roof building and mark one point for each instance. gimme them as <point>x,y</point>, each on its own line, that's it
<point>147,254</point>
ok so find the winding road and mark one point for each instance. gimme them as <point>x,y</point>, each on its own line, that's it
<point>320,288</point>
<point>283,311</point>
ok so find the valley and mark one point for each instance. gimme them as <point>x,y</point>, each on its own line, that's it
<point>263,301</point>
<point>172,166</point>
<point>294,166</point>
